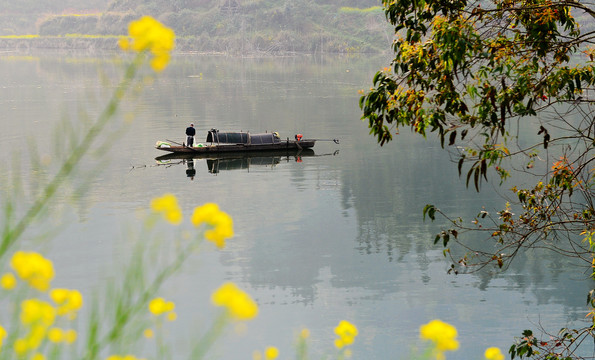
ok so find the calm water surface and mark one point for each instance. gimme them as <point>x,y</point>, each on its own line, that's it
<point>320,237</point>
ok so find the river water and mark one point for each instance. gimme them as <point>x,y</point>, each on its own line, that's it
<point>320,237</point>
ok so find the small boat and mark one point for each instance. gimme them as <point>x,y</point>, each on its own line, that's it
<point>217,162</point>
<point>251,155</point>
<point>218,142</point>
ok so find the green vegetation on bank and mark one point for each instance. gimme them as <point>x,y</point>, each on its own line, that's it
<point>231,26</point>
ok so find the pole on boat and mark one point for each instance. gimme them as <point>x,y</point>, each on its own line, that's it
<point>177,143</point>
<point>336,141</point>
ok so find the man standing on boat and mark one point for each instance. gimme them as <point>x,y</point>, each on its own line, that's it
<point>190,132</point>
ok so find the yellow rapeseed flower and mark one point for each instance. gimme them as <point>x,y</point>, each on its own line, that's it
<point>346,332</point>
<point>35,337</point>
<point>2,335</point>
<point>443,336</point>
<point>38,356</point>
<point>8,281</point>
<point>36,270</point>
<point>238,303</point>
<point>168,206</point>
<point>68,301</point>
<point>57,335</point>
<point>21,347</point>
<point>159,306</point>
<point>493,353</point>
<point>271,353</point>
<point>148,34</point>
<point>70,336</point>
<point>221,223</point>
<point>37,316</point>
<point>125,357</point>
<point>148,333</point>
<point>35,311</point>
<point>172,316</point>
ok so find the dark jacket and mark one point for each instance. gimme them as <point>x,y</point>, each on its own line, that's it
<point>190,131</point>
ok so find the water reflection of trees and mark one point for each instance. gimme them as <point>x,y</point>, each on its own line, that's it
<point>389,215</point>
<point>381,200</point>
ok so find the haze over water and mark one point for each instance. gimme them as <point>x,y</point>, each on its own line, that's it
<point>320,237</point>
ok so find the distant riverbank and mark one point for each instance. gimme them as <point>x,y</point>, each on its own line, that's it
<point>184,44</point>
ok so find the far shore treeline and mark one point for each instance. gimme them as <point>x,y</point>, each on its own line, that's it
<point>228,26</point>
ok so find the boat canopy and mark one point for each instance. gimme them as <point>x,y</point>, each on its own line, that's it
<point>219,137</point>
<point>216,136</point>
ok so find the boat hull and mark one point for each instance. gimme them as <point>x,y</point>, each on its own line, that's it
<point>221,148</point>
<point>236,155</point>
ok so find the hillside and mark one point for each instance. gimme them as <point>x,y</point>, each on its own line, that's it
<point>232,26</point>
<point>229,26</point>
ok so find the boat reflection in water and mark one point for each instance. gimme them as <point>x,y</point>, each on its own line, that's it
<point>235,161</point>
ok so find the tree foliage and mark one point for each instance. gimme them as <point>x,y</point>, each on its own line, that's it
<point>478,74</point>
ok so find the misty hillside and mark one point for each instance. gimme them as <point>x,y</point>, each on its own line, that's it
<point>231,26</point>
<point>209,25</point>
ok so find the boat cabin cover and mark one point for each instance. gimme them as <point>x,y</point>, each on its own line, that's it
<point>216,136</point>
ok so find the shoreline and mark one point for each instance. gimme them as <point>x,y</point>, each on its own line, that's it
<point>110,43</point>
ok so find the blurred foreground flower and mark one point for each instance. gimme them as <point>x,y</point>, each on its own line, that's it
<point>346,332</point>
<point>57,335</point>
<point>37,312</point>
<point>8,281</point>
<point>238,303</point>
<point>159,306</point>
<point>2,336</point>
<point>443,336</point>
<point>68,301</point>
<point>148,34</point>
<point>221,222</point>
<point>168,206</point>
<point>493,353</point>
<point>125,357</point>
<point>37,316</point>
<point>36,270</point>
<point>270,353</point>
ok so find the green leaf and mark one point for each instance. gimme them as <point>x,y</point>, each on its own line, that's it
<point>452,138</point>
<point>376,77</point>
<point>469,174</point>
<point>460,166</point>
<point>430,210</point>
<point>476,178</point>
<point>446,239</point>
<point>512,351</point>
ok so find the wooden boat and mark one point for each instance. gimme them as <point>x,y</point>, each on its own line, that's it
<point>251,155</point>
<point>218,142</point>
<point>217,162</point>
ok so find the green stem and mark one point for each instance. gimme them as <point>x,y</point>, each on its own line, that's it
<point>128,311</point>
<point>205,343</point>
<point>302,349</point>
